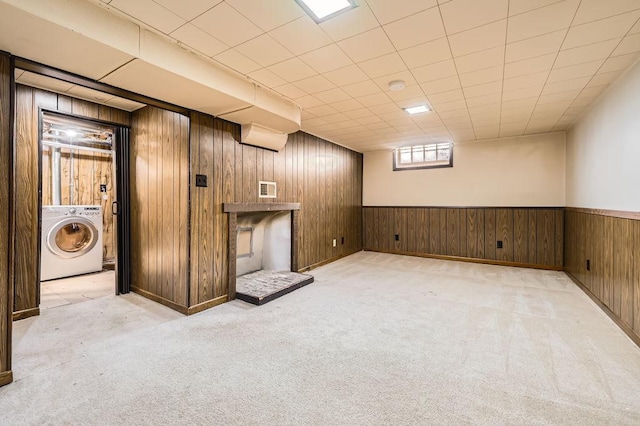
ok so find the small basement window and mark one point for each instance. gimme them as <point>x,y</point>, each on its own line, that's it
<point>423,156</point>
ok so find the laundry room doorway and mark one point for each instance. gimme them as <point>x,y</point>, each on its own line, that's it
<point>84,220</point>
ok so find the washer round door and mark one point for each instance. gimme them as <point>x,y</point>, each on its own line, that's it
<point>72,237</point>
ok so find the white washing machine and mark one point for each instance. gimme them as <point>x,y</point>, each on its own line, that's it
<point>71,241</point>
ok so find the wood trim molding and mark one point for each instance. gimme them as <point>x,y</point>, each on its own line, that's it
<point>206,305</point>
<point>6,377</point>
<point>326,262</point>
<point>621,214</point>
<point>473,260</point>
<point>465,207</point>
<point>168,303</point>
<point>259,207</point>
<point>625,328</point>
<point>26,313</point>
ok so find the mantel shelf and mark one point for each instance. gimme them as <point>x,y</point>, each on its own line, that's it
<point>259,207</point>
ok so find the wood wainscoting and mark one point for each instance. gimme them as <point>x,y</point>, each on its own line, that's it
<point>602,256</point>
<point>326,179</point>
<point>159,158</point>
<point>27,241</point>
<point>6,214</point>
<point>531,237</point>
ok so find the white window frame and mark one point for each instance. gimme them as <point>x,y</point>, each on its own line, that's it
<point>418,157</point>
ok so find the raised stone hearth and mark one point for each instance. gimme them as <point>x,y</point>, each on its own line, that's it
<point>263,286</point>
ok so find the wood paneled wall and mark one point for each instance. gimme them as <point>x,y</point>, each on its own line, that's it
<point>6,180</point>
<point>159,154</point>
<point>611,245</point>
<point>90,170</point>
<point>27,241</point>
<point>325,178</point>
<point>530,236</point>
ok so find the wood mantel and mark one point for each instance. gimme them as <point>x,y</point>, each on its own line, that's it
<point>259,207</point>
<point>233,209</point>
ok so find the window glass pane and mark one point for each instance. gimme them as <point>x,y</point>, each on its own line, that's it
<point>430,153</point>
<point>418,154</point>
<point>405,156</point>
<point>443,154</point>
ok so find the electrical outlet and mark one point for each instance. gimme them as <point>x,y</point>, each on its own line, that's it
<point>397,237</point>
<point>201,180</point>
<point>499,244</point>
<point>588,265</point>
<point>341,240</point>
<point>334,242</point>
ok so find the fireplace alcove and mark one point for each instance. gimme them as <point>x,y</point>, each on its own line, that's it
<point>250,237</point>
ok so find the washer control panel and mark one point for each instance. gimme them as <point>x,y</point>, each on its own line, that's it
<point>57,211</point>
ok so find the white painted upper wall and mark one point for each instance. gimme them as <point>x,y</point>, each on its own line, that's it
<point>523,171</point>
<point>603,150</point>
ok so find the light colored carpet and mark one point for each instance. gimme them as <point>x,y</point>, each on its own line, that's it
<point>377,339</point>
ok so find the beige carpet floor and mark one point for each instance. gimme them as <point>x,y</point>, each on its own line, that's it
<point>377,339</point>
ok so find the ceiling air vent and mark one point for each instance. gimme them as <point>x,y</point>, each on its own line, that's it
<point>267,189</point>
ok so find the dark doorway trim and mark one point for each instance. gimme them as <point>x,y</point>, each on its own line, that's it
<point>123,213</point>
<point>62,75</point>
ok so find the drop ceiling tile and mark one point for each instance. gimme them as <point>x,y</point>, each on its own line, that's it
<point>347,75</point>
<point>435,71</point>
<point>267,78</point>
<point>187,9</point>
<point>332,95</point>
<point>197,39</point>
<point>301,36</point>
<point>237,61</point>
<point>619,63</point>
<point>481,60</point>
<point>124,104</point>
<point>372,121</point>
<point>373,99</point>
<point>593,91</point>
<point>311,122</point>
<point>264,50</point>
<point>386,108</point>
<point>358,113</point>
<point>586,69</point>
<point>591,10</point>
<point>524,81</point>
<point>327,58</point>
<point>290,91</point>
<point>583,101</point>
<point>541,21</point>
<point>515,115</point>
<point>151,13</point>
<point>604,78</point>
<point>314,84</point>
<point>450,96</point>
<point>292,70</point>
<point>461,15</point>
<point>388,11</point>
<point>490,99</point>
<point>517,7</point>
<point>635,29</point>
<point>226,24</point>
<point>383,65</point>
<point>41,81</point>
<point>491,132</point>
<point>369,45</point>
<point>337,118</point>
<point>308,101</point>
<point>426,53</point>
<point>416,29</point>
<point>347,105</point>
<point>527,92</point>
<point>383,82</point>
<point>409,92</point>
<point>477,39</point>
<point>442,85</point>
<point>558,97</point>
<point>362,88</point>
<point>529,66</point>
<point>412,102</point>
<point>486,75</point>
<point>584,54</point>
<point>509,130</point>
<point>566,85</point>
<point>267,14</point>
<point>629,44</point>
<point>603,29</point>
<point>322,111</point>
<point>451,106</point>
<point>535,46</point>
<point>520,103</point>
<point>350,23</point>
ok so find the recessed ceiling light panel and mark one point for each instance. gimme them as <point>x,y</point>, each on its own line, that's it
<point>417,109</point>
<point>321,10</point>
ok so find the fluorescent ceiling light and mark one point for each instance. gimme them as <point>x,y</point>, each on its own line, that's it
<point>321,10</point>
<point>417,109</point>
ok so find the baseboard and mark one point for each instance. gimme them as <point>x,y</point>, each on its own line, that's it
<point>473,260</point>
<point>624,327</point>
<point>325,262</point>
<point>207,305</point>
<point>6,377</point>
<point>161,300</point>
<point>26,313</point>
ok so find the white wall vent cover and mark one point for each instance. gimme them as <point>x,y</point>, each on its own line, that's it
<point>267,189</point>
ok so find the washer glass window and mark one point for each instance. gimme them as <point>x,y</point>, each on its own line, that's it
<point>74,237</point>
